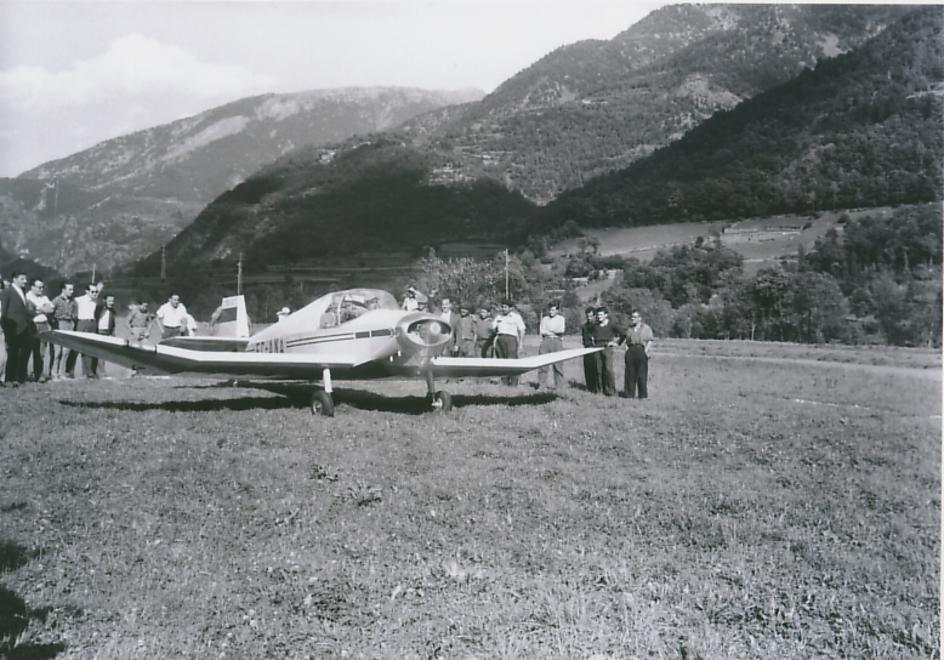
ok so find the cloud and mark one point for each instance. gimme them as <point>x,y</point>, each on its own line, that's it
<point>138,82</point>
<point>133,66</point>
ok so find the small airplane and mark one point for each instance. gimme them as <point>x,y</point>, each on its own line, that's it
<point>355,334</point>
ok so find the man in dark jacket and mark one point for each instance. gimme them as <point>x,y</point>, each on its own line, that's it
<point>590,372</point>
<point>16,320</point>
<point>607,335</point>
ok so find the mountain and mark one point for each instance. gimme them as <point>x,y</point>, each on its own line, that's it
<point>861,130</point>
<point>376,194</point>
<point>123,198</point>
<point>398,192</point>
<point>597,106</point>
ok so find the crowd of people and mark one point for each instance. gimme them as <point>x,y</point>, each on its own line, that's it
<point>502,336</point>
<point>27,312</point>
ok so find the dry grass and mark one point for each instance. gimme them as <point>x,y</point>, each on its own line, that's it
<point>748,509</point>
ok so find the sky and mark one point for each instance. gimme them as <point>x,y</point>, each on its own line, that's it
<point>74,73</point>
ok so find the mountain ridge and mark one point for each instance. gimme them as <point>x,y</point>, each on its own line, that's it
<point>155,181</point>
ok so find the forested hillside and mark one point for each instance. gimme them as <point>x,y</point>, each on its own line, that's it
<point>863,129</point>
<point>597,106</point>
<point>876,279</point>
<point>373,196</point>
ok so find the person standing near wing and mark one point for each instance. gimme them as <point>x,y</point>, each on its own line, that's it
<point>172,318</point>
<point>17,326</point>
<point>484,331</point>
<point>590,372</point>
<point>608,336</point>
<point>552,331</point>
<point>509,335</point>
<point>639,344</point>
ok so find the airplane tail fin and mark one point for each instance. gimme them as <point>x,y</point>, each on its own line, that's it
<point>230,318</point>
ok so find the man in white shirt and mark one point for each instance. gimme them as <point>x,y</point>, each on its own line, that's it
<point>41,308</point>
<point>86,322</point>
<point>509,335</point>
<point>552,331</point>
<point>172,317</point>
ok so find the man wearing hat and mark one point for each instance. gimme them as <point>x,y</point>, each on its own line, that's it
<point>282,314</point>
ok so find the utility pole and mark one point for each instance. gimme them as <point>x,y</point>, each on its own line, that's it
<point>163,262</point>
<point>93,272</point>
<point>507,293</point>
<point>239,275</point>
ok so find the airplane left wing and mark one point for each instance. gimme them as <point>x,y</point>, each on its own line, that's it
<point>174,359</point>
<point>446,367</point>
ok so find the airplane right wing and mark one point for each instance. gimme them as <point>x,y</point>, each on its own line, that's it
<point>448,367</point>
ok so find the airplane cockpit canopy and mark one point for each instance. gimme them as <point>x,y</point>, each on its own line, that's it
<point>331,310</point>
<point>342,306</point>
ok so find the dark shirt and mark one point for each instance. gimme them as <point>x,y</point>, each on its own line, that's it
<point>65,310</point>
<point>604,334</point>
<point>586,333</point>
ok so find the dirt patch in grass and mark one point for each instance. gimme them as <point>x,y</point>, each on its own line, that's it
<point>726,516</point>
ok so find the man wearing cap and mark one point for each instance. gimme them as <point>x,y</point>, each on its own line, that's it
<point>172,317</point>
<point>509,335</point>
<point>552,330</point>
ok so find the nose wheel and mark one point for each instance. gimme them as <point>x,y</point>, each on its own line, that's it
<point>322,404</point>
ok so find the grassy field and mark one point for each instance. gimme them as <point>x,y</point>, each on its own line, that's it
<point>766,501</point>
<point>761,241</point>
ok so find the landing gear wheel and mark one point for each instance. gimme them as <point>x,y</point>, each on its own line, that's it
<point>322,404</point>
<point>442,402</point>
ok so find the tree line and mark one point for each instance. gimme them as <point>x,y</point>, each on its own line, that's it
<point>874,279</point>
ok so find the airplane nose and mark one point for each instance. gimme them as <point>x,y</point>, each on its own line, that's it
<point>423,334</point>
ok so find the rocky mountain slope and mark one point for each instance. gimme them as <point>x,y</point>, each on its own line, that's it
<point>861,129</point>
<point>124,197</point>
<point>596,106</point>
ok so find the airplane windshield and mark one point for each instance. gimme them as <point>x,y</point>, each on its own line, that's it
<point>345,306</point>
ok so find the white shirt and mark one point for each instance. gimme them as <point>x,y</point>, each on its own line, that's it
<point>510,324</point>
<point>86,307</point>
<point>103,319</point>
<point>552,326</point>
<point>39,302</point>
<point>410,304</point>
<point>172,317</point>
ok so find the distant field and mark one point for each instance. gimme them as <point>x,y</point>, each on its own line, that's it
<point>767,501</point>
<point>761,241</point>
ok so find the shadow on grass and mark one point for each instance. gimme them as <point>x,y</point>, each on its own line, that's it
<point>409,405</point>
<point>15,615</point>
<point>298,395</point>
<point>207,405</point>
